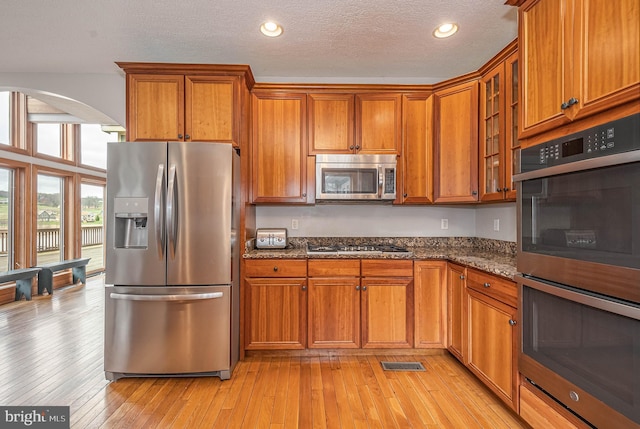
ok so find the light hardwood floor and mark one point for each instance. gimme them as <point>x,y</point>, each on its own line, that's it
<point>51,354</point>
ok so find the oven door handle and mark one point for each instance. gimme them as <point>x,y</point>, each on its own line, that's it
<point>585,164</point>
<point>571,294</point>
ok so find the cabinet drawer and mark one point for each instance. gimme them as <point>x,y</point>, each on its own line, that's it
<point>276,268</point>
<point>500,289</point>
<point>334,267</point>
<point>387,268</point>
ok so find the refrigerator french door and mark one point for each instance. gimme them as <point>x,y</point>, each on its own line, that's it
<point>171,300</point>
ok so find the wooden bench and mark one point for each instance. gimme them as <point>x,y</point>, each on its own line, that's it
<point>45,277</point>
<point>22,277</point>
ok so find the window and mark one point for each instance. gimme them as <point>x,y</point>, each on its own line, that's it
<point>49,139</point>
<point>5,118</point>
<point>6,219</point>
<point>93,145</point>
<point>49,232</point>
<point>92,224</point>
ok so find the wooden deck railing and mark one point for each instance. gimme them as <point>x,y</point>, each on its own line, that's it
<point>48,239</point>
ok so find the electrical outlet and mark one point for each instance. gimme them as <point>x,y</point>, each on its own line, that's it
<point>294,223</point>
<point>444,223</point>
<point>496,224</point>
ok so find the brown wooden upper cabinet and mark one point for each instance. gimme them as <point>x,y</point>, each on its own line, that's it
<point>456,144</point>
<point>354,123</point>
<point>577,58</point>
<point>416,163</point>
<point>279,159</point>
<point>499,145</point>
<point>185,102</point>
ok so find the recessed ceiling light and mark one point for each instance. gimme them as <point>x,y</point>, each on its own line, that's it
<point>271,29</point>
<point>445,30</point>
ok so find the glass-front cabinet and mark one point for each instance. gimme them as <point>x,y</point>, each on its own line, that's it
<point>499,147</point>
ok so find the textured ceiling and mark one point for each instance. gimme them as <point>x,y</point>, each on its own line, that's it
<point>354,41</point>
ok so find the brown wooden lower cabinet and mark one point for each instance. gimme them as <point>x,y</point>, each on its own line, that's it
<point>350,311</point>
<point>492,349</point>
<point>456,311</point>
<point>492,353</point>
<point>430,304</point>
<point>334,312</point>
<point>387,312</point>
<point>275,304</point>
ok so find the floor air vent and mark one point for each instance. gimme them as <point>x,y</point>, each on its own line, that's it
<point>402,366</point>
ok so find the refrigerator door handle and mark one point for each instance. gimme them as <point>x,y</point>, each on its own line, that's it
<point>158,210</point>
<point>172,208</point>
<point>165,298</point>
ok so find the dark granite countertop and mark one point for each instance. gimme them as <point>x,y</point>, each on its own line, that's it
<point>475,253</point>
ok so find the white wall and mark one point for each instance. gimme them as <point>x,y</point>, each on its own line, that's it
<point>505,213</point>
<point>372,220</point>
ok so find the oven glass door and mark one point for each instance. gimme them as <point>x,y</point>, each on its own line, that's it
<point>591,215</point>
<point>350,181</point>
<point>591,341</point>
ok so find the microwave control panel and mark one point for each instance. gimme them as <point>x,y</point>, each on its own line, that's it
<point>618,136</point>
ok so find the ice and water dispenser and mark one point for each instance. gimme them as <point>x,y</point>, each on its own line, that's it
<point>131,216</point>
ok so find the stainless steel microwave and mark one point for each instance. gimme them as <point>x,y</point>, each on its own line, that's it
<point>355,177</point>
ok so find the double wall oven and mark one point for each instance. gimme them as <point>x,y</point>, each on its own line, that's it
<point>579,259</point>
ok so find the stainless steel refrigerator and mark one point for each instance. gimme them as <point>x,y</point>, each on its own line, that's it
<point>172,267</point>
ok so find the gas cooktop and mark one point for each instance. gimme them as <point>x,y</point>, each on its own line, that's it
<point>348,249</point>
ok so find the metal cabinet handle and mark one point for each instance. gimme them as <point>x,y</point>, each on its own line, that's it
<point>461,277</point>
<point>474,192</point>
<point>304,195</point>
<point>351,147</point>
<point>405,195</point>
<point>357,147</point>
<point>304,288</point>
<point>180,136</point>
<point>357,287</point>
<point>512,322</point>
<point>275,268</point>
<point>187,136</point>
<point>364,288</point>
<point>499,190</point>
<point>506,189</point>
<point>487,285</point>
<point>569,103</point>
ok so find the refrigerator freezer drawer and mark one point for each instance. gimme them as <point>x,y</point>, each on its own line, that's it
<point>167,331</point>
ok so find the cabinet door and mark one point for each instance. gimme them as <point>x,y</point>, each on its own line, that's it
<point>493,345</point>
<point>277,312</point>
<point>378,123</point>
<point>155,107</point>
<point>279,148</point>
<point>607,65</point>
<point>417,149</point>
<point>456,312</point>
<point>210,113</point>
<point>543,50</point>
<point>387,316</point>
<point>331,123</point>
<point>430,304</point>
<point>334,312</point>
<point>512,144</point>
<point>456,144</point>
<point>492,152</point>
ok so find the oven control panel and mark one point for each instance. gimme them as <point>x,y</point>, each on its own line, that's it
<point>618,136</point>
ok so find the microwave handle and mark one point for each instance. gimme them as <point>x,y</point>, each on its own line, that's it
<point>380,182</point>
